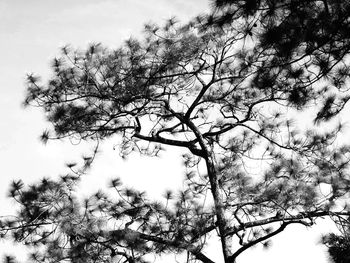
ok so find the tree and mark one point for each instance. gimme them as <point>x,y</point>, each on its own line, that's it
<point>226,88</point>
<point>338,247</point>
<point>338,244</point>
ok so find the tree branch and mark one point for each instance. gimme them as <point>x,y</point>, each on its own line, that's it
<point>233,257</point>
<point>300,216</point>
<point>157,138</point>
<point>194,250</point>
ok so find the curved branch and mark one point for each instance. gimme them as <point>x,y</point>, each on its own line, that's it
<point>194,250</point>
<point>300,216</point>
<point>157,138</point>
<point>233,257</point>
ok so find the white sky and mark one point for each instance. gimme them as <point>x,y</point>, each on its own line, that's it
<point>31,33</point>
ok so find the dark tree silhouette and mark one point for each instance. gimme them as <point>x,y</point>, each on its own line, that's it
<point>338,247</point>
<point>339,244</point>
<point>227,88</point>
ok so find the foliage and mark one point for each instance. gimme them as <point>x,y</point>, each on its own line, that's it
<point>339,244</point>
<point>338,248</point>
<point>227,88</point>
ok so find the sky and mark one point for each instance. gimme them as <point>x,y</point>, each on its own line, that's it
<point>31,33</point>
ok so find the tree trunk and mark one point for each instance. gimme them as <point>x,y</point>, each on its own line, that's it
<point>219,207</point>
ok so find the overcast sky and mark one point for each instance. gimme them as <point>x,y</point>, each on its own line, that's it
<point>31,33</point>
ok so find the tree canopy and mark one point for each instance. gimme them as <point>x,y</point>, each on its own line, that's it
<point>245,91</point>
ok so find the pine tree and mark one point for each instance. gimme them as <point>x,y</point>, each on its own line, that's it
<point>230,89</point>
